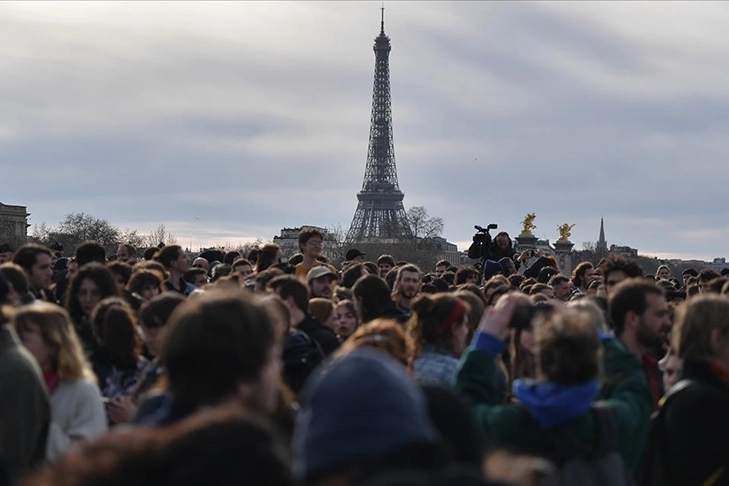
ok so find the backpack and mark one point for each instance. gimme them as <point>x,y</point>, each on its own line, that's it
<point>301,355</point>
<point>597,464</point>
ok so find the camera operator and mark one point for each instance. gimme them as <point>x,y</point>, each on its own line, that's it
<point>484,248</point>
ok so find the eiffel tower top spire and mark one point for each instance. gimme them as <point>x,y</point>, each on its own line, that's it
<point>382,22</point>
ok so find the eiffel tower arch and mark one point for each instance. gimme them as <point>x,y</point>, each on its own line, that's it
<point>380,216</point>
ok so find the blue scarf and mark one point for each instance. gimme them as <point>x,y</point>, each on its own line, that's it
<point>553,404</point>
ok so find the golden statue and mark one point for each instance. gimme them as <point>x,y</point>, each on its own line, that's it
<point>528,224</point>
<point>564,231</point>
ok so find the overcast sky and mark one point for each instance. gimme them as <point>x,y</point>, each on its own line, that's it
<point>255,116</point>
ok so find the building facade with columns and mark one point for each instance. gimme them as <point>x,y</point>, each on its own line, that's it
<point>13,225</point>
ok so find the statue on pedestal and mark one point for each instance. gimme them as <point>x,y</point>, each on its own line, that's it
<point>564,231</point>
<point>528,224</point>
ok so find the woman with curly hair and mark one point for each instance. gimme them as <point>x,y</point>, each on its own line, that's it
<point>118,361</point>
<point>93,283</point>
<point>77,412</point>
<point>439,328</point>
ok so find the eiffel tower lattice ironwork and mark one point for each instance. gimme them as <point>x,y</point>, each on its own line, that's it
<point>380,216</point>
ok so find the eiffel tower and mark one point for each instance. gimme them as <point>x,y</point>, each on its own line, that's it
<point>380,216</point>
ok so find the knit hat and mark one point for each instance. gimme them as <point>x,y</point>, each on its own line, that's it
<point>491,268</point>
<point>357,409</point>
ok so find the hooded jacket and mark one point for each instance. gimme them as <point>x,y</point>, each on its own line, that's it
<point>524,428</point>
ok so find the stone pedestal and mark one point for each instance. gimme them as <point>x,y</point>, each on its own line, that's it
<point>563,249</point>
<point>526,242</point>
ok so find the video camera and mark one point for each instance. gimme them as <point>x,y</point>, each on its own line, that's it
<point>480,249</point>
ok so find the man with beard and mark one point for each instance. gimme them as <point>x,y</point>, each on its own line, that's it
<point>641,320</point>
<point>407,286</point>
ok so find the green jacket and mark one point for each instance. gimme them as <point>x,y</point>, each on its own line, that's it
<point>514,427</point>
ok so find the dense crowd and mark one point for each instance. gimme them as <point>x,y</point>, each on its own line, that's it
<point>151,367</point>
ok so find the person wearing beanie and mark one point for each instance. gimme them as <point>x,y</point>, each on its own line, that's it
<point>491,268</point>
<point>362,415</point>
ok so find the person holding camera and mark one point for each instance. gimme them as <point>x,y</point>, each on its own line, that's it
<point>569,355</point>
<point>484,248</point>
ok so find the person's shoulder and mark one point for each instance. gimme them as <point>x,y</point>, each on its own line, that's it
<point>82,386</point>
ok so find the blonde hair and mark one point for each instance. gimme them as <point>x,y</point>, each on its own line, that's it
<point>57,332</point>
<point>695,322</point>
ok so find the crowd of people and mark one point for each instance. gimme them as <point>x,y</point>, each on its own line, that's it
<point>152,367</point>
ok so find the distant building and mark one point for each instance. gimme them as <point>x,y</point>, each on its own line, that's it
<point>623,251</point>
<point>13,224</point>
<point>448,251</point>
<point>289,239</point>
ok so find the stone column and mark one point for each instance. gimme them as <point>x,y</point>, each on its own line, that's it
<point>563,249</point>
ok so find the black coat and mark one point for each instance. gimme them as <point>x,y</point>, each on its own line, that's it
<point>693,442</point>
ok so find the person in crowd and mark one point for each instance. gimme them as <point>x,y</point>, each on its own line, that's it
<point>6,253</point>
<point>118,360</point>
<point>320,280</point>
<point>153,318</point>
<point>145,284</point>
<point>561,288</point>
<point>127,253</point>
<point>346,320</point>
<point>641,320</point>
<point>686,444</point>
<point>568,350</point>
<point>354,255</point>
<point>582,275</point>
<point>663,272</point>
<point>24,404</point>
<point>323,311</point>
<point>296,296</point>
<point>617,268</point>
<point>220,348</point>
<point>226,445</point>
<point>686,275</point>
<point>242,267</point>
<point>407,287</point>
<point>310,244</point>
<point>19,291</point>
<point>671,367</point>
<point>176,264</point>
<point>703,279</point>
<point>394,430</point>
<point>201,262</point>
<point>353,273</point>
<point>439,328</point>
<point>385,263</point>
<point>91,285</point>
<point>269,255</point>
<point>77,412</point>
<point>90,251</point>
<point>196,276</point>
<point>441,267</point>
<point>373,299</point>
<point>36,261</point>
<point>122,273</point>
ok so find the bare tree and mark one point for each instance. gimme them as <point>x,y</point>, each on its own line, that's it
<point>422,224</point>
<point>79,227</point>
<point>159,235</point>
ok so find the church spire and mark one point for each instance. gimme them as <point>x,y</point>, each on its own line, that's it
<point>601,243</point>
